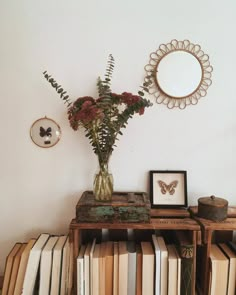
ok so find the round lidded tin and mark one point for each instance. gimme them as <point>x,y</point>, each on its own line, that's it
<point>212,208</point>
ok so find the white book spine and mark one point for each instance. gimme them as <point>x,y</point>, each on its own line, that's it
<point>55,282</point>
<point>65,265</point>
<point>44,286</point>
<point>31,273</point>
<point>157,265</point>
<point>80,277</point>
<point>87,275</point>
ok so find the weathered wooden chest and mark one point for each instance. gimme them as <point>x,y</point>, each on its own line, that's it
<point>125,207</point>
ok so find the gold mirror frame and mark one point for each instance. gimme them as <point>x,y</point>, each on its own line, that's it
<point>152,69</point>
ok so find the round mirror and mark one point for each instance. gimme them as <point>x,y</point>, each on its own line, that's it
<point>178,74</point>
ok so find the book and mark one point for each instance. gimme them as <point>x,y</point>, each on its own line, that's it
<point>80,270</point>
<point>123,268</point>
<point>56,264</point>
<point>157,251</point>
<point>132,261</point>
<point>185,249</point>
<point>219,271</point>
<point>8,267</point>
<point>148,268</point>
<point>102,277</point>
<point>91,264</point>
<point>46,266</point>
<point>109,254</point>
<point>172,270</point>
<point>95,270</point>
<point>139,265</point>
<point>116,269</point>
<point>231,287</point>
<point>163,265</point>
<point>22,267</point>
<point>179,271</point>
<point>32,268</point>
<point>15,268</point>
<point>87,269</point>
<point>70,269</point>
<point>65,267</point>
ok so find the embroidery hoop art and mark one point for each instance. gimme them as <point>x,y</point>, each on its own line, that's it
<point>45,132</point>
<point>168,189</point>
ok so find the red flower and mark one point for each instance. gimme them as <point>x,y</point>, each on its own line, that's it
<point>79,101</point>
<point>87,113</point>
<point>129,98</point>
<point>141,111</point>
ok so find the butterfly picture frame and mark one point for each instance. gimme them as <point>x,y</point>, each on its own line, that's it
<point>45,132</point>
<point>168,189</point>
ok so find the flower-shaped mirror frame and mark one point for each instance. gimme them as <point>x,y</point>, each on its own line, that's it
<point>152,74</point>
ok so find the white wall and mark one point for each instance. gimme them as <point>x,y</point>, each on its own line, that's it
<point>72,40</point>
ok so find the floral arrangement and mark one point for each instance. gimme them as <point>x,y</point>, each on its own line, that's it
<point>102,118</point>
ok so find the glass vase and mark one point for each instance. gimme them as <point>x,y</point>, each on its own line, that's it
<point>103,184</point>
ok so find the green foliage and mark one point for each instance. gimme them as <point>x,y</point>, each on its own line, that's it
<point>103,118</point>
<point>58,88</point>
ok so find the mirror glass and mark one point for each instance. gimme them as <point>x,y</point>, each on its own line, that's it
<point>179,73</point>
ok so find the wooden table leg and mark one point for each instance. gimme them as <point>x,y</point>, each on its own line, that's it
<point>194,239</point>
<point>208,240</point>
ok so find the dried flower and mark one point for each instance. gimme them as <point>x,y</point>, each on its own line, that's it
<point>104,117</point>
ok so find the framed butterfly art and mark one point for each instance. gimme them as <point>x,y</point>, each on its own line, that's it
<point>168,189</point>
<point>45,132</point>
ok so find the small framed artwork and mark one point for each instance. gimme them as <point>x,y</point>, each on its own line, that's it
<point>45,132</point>
<point>168,189</point>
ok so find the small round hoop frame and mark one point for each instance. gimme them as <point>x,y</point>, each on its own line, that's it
<point>45,132</point>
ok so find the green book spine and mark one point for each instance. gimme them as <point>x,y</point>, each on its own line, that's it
<point>186,249</point>
<point>186,254</point>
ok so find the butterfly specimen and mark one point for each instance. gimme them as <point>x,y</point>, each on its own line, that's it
<point>170,188</point>
<point>43,132</point>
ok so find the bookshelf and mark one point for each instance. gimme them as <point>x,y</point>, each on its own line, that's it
<point>79,230</point>
<point>211,231</point>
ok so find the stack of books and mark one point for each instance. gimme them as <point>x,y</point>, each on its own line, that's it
<point>40,266</point>
<point>154,267</point>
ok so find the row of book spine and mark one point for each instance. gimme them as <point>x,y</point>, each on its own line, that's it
<point>43,265</point>
<point>152,267</point>
<point>222,269</point>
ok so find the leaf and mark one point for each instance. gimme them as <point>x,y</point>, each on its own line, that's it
<point>63,93</point>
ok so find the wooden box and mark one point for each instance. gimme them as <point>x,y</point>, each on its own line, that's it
<point>124,207</point>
